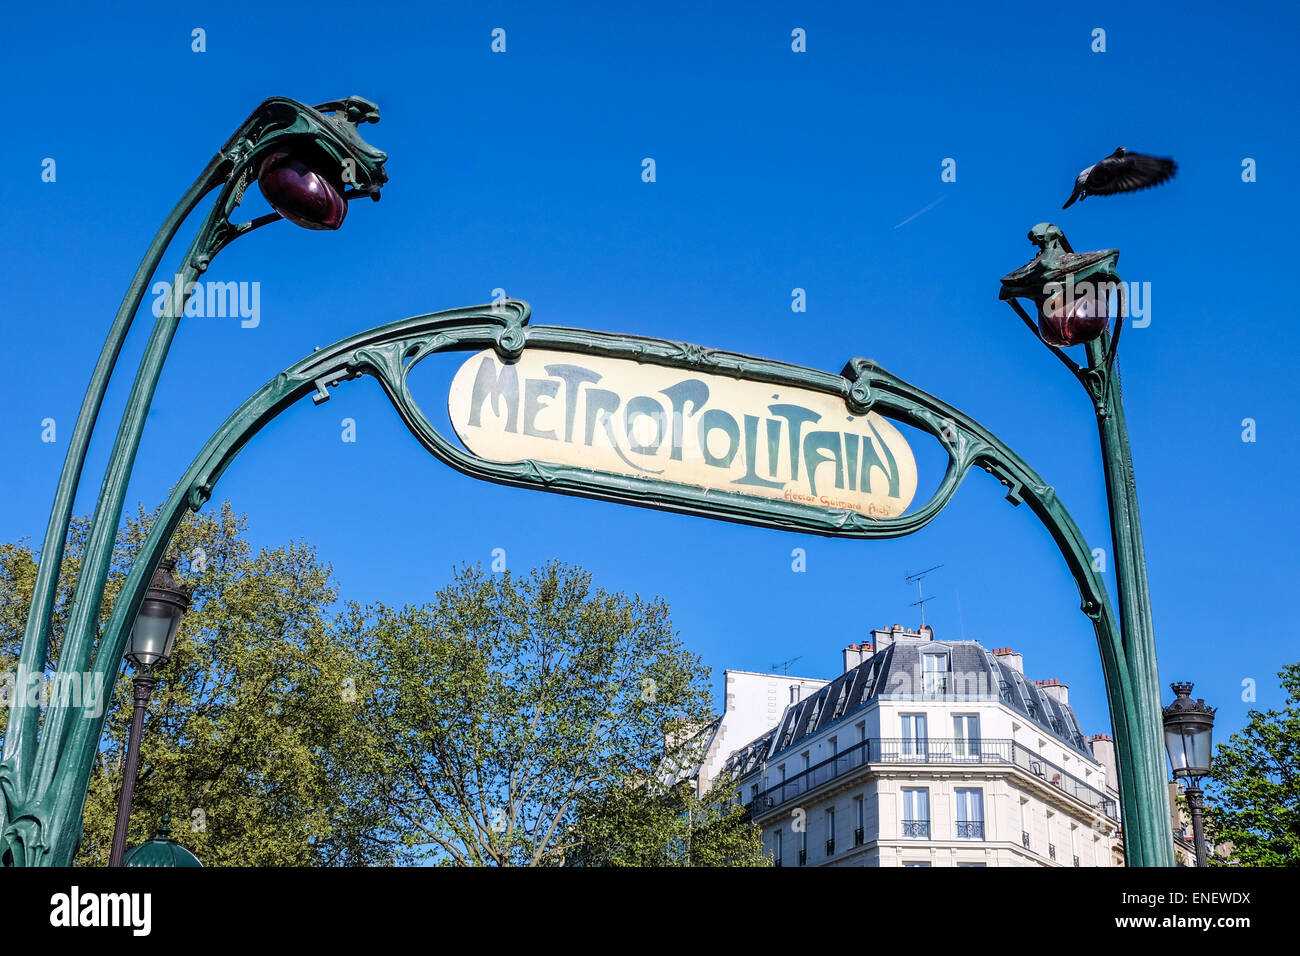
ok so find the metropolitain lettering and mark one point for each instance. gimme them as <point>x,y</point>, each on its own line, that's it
<point>681,429</point>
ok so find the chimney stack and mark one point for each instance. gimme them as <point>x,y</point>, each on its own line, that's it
<point>882,639</point>
<point>1009,657</point>
<point>1103,748</point>
<point>856,654</point>
<point>1056,690</point>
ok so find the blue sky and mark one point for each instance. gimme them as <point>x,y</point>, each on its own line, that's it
<point>775,170</point>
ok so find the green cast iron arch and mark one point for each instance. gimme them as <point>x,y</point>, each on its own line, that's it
<point>390,352</point>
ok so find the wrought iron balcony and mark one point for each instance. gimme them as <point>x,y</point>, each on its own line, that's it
<point>916,829</point>
<point>970,829</point>
<point>803,857</point>
<point>1051,850</point>
<point>1024,838</point>
<point>934,750</point>
<point>858,836</point>
<point>1076,861</point>
<point>830,847</point>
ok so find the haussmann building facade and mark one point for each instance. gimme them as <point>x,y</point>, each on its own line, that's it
<point>922,753</point>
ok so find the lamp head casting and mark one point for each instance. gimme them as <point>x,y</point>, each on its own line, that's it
<point>1070,290</point>
<point>310,161</point>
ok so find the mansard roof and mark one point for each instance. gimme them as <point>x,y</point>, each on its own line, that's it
<point>897,673</point>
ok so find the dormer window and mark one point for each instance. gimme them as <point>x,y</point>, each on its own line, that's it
<point>934,674</point>
<point>841,701</point>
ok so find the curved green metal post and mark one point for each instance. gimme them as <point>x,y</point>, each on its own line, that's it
<point>1140,746</point>
<point>28,764</point>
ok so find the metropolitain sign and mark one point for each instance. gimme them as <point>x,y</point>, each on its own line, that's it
<point>685,428</point>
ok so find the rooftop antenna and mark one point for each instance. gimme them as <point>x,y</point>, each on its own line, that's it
<point>918,577</point>
<point>785,665</point>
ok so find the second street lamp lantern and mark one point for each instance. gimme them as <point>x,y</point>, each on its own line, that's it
<point>1189,729</point>
<point>152,639</point>
<point>1070,290</point>
<point>154,633</point>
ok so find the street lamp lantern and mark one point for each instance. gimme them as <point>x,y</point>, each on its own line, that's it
<point>152,638</point>
<point>301,188</point>
<point>154,633</point>
<point>1070,291</point>
<point>1189,727</point>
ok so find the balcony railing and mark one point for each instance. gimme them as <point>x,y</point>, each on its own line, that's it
<point>803,857</point>
<point>830,847</point>
<point>916,829</point>
<point>1051,850</point>
<point>1076,861</point>
<point>1024,838</point>
<point>935,750</point>
<point>970,829</point>
<point>858,836</point>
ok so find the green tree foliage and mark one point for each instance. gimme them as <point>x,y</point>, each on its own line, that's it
<point>1254,801</point>
<point>657,825</point>
<point>512,721</point>
<point>524,716</point>
<point>252,725</point>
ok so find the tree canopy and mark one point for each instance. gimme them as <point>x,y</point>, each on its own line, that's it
<point>512,720</point>
<point>1253,802</point>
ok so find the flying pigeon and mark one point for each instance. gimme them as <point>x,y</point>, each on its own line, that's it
<point>1121,172</point>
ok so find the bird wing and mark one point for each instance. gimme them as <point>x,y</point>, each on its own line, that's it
<point>1079,184</point>
<point>1128,173</point>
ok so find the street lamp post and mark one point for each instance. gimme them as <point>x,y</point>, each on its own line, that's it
<point>309,163</point>
<point>1189,731</point>
<point>152,639</point>
<point>1070,292</point>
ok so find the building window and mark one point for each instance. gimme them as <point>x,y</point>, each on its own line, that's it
<point>862,731</point>
<point>914,735</point>
<point>835,746</point>
<point>816,713</point>
<point>966,736</point>
<point>916,813</point>
<point>753,793</point>
<point>841,701</point>
<point>934,674</point>
<point>830,831</point>
<point>860,820</point>
<point>970,814</point>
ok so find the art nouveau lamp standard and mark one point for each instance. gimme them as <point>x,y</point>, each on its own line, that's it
<point>152,639</point>
<point>1189,731</point>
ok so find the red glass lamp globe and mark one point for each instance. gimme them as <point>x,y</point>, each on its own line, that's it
<point>1066,321</point>
<point>299,190</point>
